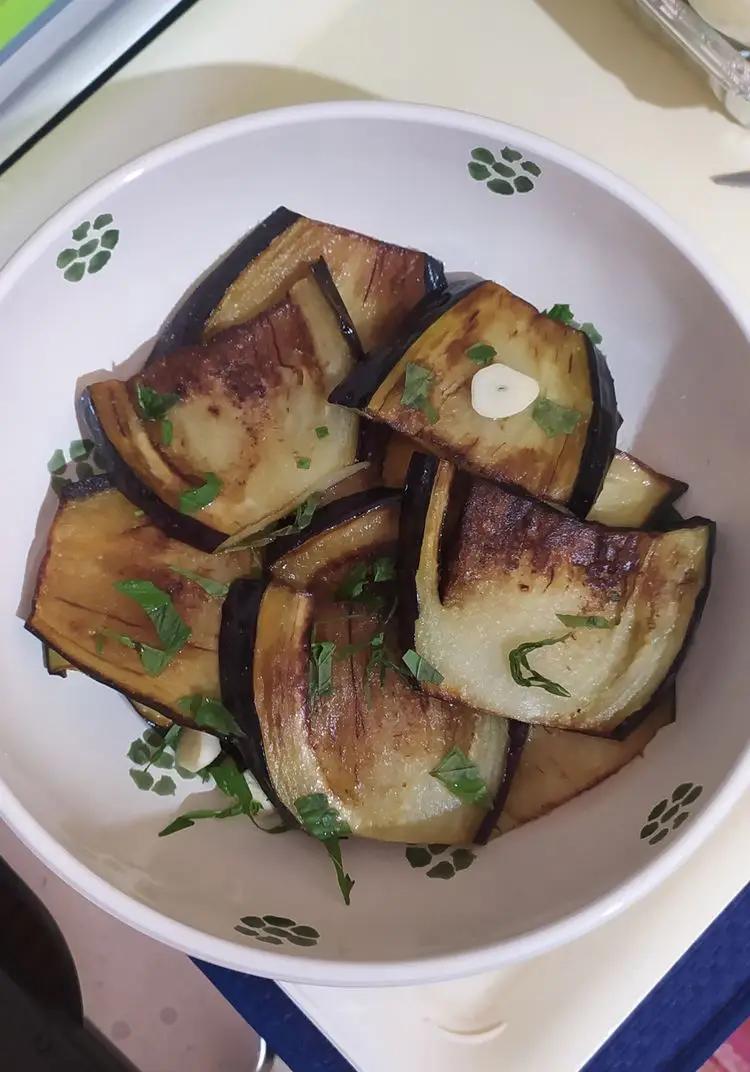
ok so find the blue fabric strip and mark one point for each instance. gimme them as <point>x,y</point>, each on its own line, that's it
<point>278,1020</point>
<point>677,1027</point>
<point>695,1007</point>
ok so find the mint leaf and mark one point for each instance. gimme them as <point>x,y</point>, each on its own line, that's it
<point>79,449</point>
<point>461,777</point>
<point>320,681</point>
<point>421,669</point>
<point>523,674</point>
<point>353,585</point>
<point>322,431</point>
<point>303,463</point>
<point>217,589</point>
<point>167,432</point>
<point>563,313</point>
<point>209,713</point>
<point>171,630</point>
<point>57,462</point>
<point>183,822</point>
<point>418,382</point>
<point>383,569</point>
<point>320,820</point>
<point>197,498</point>
<point>302,518</point>
<point>587,621</point>
<point>481,353</point>
<point>554,419</point>
<point>152,404</point>
<point>593,334</point>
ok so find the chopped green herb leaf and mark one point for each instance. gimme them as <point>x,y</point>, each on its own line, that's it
<point>167,431</point>
<point>523,674</point>
<point>142,779</point>
<point>171,630</point>
<point>57,462</point>
<point>152,404</point>
<point>593,334</point>
<point>587,621</point>
<point>231,781</point>
<point>209,713</point>
<point>217,589</point>
<point>461,776</point>
<point>183,822</point>
<point>323,822</point>
<point>421,669</point>
<point>303,463</point>
<point>79,449</point>
<point>202,496</point>
<point>320,681</point>
<point>353,585</point>
<point>165,786</point>
<point>302,518</point>
<point>563,313</point>
<point>384,569</point>
<point>322,431</point>
<point>418,382</point>
<point>481,353</point>
<point>99,642</point>
<point>554,419</point>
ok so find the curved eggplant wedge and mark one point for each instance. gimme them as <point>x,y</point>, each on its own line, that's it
<point>634,495</point>
<point>369,745</point>
<point>97,540</point>
<point>558,448</point>
<point>360,526</point>
<point>236,432</point>
<point>534,615</point>
<point>556,765</point>
<point>379,283</point>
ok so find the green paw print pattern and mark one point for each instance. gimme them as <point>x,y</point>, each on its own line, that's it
<point>275,930</point>
<point>670,814</point>
<point>511,174</point>
<point>156,751</point>
<point>97,241</point>
<point>454,860</point>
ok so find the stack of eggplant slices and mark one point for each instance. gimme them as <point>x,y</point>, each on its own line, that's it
<point>363,548</point>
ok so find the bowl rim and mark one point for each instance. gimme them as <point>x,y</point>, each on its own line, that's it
<point>429,968</point>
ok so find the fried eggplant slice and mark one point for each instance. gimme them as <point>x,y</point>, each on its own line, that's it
<point>557,765</point>
<point>379,282</point>
<point>245,434</point>
<point>368,745</point>
<point>534,615</point>
<point>633,494</point>
<point>558,448</point>
<point>97,539</point>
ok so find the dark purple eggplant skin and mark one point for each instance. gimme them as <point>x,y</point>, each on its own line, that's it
<point>239,626</point>
<point>356,390</point>
<point>324,279</point>
<point>601,436</point>
<point>518,733</point>
<point>179,526</point>
<point>184,326</point>
<point>415,502</point>
<point>329,517</point>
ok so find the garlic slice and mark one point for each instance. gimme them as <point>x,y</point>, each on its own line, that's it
<point>196,749</point>
<point>499,391</point>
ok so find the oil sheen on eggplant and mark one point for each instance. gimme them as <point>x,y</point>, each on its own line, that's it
<point>557,765</point>
<point>379,282</point>
<point>369,746</point>
<point>97,539</point>
<point>563,467</point>
<point>494,573</point>
<point>249,403</point>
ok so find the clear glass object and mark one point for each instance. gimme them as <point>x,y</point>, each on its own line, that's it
<point>725,62</point>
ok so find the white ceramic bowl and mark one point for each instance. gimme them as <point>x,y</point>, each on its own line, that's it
<point>679,353</point>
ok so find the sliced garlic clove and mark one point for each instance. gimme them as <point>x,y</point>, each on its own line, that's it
<point>196,749</point>
<point>499,391</point>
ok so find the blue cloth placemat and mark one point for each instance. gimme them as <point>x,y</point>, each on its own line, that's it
<point>696,1006</point>
<point>278,1020</point>
<point>677,1027</point>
